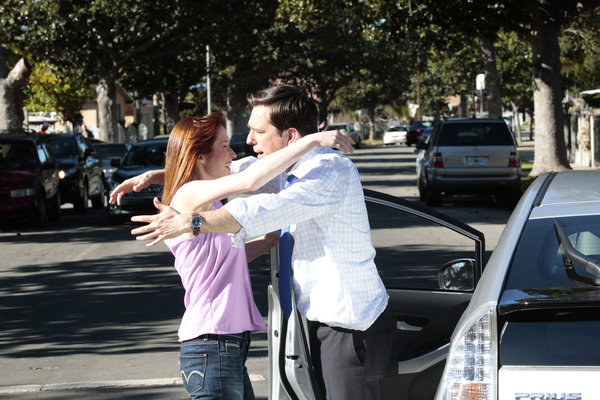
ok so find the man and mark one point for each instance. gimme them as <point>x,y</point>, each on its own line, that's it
<point>335,280</point>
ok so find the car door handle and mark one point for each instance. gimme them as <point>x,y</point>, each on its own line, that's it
<point>405,326</point>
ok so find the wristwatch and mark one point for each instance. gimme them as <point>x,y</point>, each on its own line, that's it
<point>196,222</point>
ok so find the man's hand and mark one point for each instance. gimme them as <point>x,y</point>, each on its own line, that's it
<point>135,184</point>
<point>165,225</point>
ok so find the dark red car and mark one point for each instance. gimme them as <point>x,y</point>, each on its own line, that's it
<point>416,130</point>
<point>28,178</point>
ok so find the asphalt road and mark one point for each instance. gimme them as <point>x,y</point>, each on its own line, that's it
<point>88,312</point>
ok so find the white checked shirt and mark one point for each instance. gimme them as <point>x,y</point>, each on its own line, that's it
<point>335,279</point>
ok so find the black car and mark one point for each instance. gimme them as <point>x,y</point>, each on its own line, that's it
<point>80,171</point>
<point>239,145</point>
<point>109,152</point>
<point>142,157</point>
<point>28,178</point>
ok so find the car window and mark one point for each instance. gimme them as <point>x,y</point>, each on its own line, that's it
<point>474,134</point>
<point>63,146</point>
<point>17,155</point>
<point>42,155</point>
<point>539,260</point>
<point>81,145</point>
<point>147,155</point>
<point>410,250</point>
<point>111,150</point>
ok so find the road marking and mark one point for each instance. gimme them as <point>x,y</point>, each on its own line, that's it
<point>103,384</point>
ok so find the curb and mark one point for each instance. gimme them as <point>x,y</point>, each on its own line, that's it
<point>99,385</point>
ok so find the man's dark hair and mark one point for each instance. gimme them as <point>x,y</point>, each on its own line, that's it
<point>290,108</point>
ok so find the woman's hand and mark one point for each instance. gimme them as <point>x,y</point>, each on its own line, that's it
<point>335,140</point>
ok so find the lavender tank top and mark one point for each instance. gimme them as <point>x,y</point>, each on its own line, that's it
<point>218,295</point>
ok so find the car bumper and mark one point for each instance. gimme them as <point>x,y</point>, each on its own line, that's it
<point>133,204</point>
<point>468,181</point>
<point>11,209</point>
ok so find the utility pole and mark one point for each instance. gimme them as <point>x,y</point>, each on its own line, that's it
<point>418,88</point>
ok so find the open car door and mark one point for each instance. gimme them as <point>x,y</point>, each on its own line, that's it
<point>429,263</point>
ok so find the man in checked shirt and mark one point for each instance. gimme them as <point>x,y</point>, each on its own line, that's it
<point>336,284</point>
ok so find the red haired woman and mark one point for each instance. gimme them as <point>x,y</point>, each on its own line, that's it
<point>220,310</point>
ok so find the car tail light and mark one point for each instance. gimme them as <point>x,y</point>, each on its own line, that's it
<point>438,161</point>
<point>470,372</point>
<point>513,160</point>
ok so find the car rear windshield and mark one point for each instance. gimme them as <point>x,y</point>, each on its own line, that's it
<point>146,155</point>
<point>475,134</point>
<point>540,262</point>
<point>17,155</point>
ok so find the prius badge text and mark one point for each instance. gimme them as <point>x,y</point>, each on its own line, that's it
<point>548,396</point>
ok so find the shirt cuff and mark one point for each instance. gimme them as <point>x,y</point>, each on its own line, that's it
<point>238,209</point>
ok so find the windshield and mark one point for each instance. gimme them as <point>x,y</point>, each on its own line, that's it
<point>17,155</point>
<point>63,146</point>
<point>111,150</point>
<point>540,262</point>
<point>475,134</point>
<point>147,155</point>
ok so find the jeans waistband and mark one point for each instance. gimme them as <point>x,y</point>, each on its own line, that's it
<point>213,336</point>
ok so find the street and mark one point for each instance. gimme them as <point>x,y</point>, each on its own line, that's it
<point>88,312</point>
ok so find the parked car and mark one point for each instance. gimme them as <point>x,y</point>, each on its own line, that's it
<point>395,135</point>
<point>531,329</point>
<point>411,267</point>
<point>28,178</point>
<point>416,130</point>
<point>141,157</point>
<point>109,152</point>
<point>80,171</point>
<point>426,133</point>
<point>523,328</point>
<point>349,129</point>
<point>466,156</point>
<point>239,145</point>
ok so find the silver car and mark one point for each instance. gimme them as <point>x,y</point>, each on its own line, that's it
<point>531,329</point>
<point>349,129</point>
<point>466,156</point>
<point>525,328</point>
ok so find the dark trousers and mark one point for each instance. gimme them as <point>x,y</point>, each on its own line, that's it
<point>348,363</point>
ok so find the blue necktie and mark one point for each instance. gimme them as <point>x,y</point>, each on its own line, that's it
<point>285,265</point>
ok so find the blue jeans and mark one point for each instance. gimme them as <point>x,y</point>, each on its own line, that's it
<point>213,367</point>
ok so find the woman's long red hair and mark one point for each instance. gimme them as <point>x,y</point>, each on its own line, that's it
<point>189,138</point>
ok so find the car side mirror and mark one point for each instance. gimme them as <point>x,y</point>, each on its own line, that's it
<point>420,145</point>
<point>115,162</point>
<point>457,275</point>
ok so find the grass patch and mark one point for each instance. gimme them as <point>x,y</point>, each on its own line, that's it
<point>526,179</point>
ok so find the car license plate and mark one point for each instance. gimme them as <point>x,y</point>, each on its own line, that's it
<point>476,161</point>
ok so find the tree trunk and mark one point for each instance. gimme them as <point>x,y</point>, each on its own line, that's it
<point>11,95</point>
<point>492,78</point>
<point>371,115</point>
<point>550,150</point>
<point>231,115</point>
<point>171,106</point>
<point>106,90</point>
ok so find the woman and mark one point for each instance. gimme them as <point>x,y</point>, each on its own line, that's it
<point>220,311</point>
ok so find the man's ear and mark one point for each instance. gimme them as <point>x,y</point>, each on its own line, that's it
<point>293,135</point>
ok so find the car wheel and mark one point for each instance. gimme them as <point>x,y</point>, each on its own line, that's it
<point>422,190</point>
<point>98,201</point>
<point>40,213</point>
<point>55,210</point>
<point>432,197</point>
<point>81,204</point>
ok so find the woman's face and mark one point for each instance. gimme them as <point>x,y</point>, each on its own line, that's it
<point>216,164</point>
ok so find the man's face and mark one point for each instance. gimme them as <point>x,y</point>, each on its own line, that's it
<point>263,136</point>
